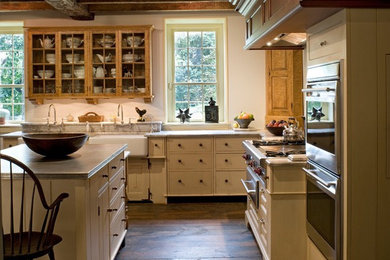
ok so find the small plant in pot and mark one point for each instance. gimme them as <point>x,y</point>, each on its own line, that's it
<point>243,120</point>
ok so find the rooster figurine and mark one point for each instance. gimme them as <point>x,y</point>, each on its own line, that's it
<point>141,113</point>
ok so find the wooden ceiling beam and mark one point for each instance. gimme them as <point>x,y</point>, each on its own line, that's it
<point>191,6</point>
<point>24,6</point>
<point>71,8</point>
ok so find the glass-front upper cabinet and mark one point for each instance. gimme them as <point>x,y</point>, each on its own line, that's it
<point>72,56</point>
<point>43,63</point>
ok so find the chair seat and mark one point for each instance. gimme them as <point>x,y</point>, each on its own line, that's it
<point>26,253</point>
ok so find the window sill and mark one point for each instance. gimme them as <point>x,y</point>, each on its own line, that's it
<point>196,126</point>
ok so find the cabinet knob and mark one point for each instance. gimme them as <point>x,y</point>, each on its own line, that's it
<point>200,144</point>
<point>155,145</point>
<point>226,144</point>
<point>179,145</point>
<point>200,160</point>
<point>122,160</point>
<point>226,160</point>
<point>111,210</point>
<point>123,179</point>
<point>226,180</point>
<point>201,181</point>
<point>124,220</point>
<point>179,161</point>
<point>113,167</point>
<point>123,197</point>
<point>114,188</point>
<point>179,181</point>
<point>115,235</point>
<point>105,176</point>
<point>323,43</point>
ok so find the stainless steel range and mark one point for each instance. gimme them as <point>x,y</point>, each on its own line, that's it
<point>256,153</point>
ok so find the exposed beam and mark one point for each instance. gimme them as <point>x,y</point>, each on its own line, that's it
<point>71,8</point>
<point>191,6</point>
<point>24,6</point>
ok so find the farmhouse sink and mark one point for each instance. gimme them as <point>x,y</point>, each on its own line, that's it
<point>136,144</point>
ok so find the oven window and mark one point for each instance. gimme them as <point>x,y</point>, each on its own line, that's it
<point>321,213</point>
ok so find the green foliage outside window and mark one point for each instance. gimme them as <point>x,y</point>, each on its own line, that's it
<point>12,75</point>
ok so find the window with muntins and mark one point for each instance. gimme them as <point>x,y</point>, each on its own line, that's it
<point>12,73</point>
<point>195,69</point>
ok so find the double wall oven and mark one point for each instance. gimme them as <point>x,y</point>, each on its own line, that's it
<point>323,149</point>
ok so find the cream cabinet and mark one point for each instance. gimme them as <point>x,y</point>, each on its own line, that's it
<point>279,221</point>
<point>89,62</point>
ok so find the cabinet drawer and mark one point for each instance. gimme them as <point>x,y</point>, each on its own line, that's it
<point>229,162</point>
<point>189,145</point>
<point>156,147</point>
<point>190,162</point>
<point>117,230</point>
<point>115,165</point>
<point>117,202</point>
<point>327,42</point>
<point>193,183</point>
<point>234,144</point>
<point>229,182</point>
<point>99,179</point>
<point>115,184</point>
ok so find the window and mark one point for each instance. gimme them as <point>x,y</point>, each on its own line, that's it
<point>195,66</point>
<point>11,72</point>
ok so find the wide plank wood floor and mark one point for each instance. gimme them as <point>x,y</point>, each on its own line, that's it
<point>201,231</point>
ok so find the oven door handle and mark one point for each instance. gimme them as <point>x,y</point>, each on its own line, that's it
<point>310,90</point>
<point>326,183</point>
<point>246,187</point>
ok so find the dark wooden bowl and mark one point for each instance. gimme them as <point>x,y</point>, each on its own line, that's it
<point>55,145</point>
<point>275,130</point>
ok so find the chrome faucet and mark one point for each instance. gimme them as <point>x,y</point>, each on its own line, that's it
<point>120,112</point>
<point>55,114</point>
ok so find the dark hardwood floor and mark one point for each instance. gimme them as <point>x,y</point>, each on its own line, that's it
<point>206,231</point>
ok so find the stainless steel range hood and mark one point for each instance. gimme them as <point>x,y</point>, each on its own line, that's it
<point>288,40</point>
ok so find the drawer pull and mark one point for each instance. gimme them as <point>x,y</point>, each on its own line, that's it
<point>226,144</point>
<point>113,167</point>
<point>111,210</point>
<point>105,176</point>
<point>155,145</point>
<point>114,188</point>
<point>124,220</point>
<point>115,235</point>
<point>123,197</point>
<point>123,179</point>
<point>200,160</point>
<point>200,144</point>
<point>122,160</point>
<point>201,181</point>
<point>179,181</point>
<point>179,161</point>
<point>179,145</point>
<point>262,221</point>
<point>323,43</point>
<point>226,180</point>
<point>226,160</point>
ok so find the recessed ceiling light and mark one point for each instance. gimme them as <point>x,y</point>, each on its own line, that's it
<point>269,43</point>
<point>276,38</point>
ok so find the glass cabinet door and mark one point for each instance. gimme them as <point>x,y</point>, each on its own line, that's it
<point>133,63</point>
<point>44,63</point>
<point>104,70</point>
<point>73,64</point>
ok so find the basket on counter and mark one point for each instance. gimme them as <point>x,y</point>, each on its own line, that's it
<point>91,117</point>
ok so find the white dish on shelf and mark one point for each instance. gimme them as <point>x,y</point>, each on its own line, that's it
<point>46,74</point>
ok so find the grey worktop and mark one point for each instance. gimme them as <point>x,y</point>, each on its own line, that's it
<point>15,134</point>
<point>82,164</point>
<point>187,133</point>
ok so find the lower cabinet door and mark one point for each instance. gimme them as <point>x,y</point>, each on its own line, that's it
<point>104,225</point>
<point>190,183</point>
<point>117,231</point>
<point>229,182</point>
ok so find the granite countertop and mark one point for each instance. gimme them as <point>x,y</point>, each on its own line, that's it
<point>82,164</point>
<point>15,134</point>
<point>186,133</point>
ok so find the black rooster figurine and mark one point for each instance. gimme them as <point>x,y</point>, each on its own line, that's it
<point>184,115</point>
<point>141,113</point>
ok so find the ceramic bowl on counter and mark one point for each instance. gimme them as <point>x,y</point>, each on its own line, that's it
<point>72,58</point>
<point>45,74</point>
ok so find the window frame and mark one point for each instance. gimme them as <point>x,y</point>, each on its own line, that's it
<point>15,28</point>
<point>191,25</point>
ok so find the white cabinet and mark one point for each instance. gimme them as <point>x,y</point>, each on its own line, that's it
<point>138,183</point>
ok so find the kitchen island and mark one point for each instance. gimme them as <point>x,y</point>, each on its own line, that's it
<point>92,221</point>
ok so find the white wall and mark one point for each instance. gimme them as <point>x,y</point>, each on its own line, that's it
<point>246,69</point>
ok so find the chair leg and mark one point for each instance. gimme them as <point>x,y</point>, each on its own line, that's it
<point>51,254</point>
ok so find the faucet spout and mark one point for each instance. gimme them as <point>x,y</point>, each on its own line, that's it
<point>120,111</point>
<point>55,114</point>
